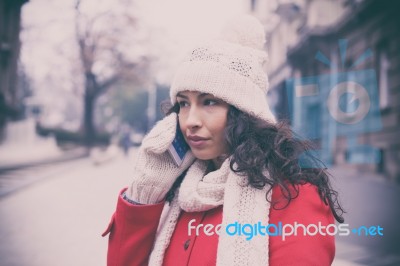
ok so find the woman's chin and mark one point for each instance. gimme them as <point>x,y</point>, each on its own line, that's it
<point>208,157</point>
<point>202,156</point>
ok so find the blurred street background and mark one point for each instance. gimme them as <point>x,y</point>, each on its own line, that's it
<point>82,81</point>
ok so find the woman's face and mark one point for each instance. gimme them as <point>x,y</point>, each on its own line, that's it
<point>202,119</point>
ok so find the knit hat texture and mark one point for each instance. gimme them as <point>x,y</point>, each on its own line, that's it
<point>230,68</point>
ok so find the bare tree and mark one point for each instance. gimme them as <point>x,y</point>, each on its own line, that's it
<point>105,59</point>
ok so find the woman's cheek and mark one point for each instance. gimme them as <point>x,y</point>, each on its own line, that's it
<point>181,121</point>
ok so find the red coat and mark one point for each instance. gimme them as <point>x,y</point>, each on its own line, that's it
<point>133,229</point>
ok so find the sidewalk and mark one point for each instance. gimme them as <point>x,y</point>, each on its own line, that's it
<point>60,221</point>
<point>22,147</point>
<point>369,200</point>
<point>9,161</point>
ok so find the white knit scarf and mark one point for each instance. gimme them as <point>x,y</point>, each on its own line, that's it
<point>241,203</point>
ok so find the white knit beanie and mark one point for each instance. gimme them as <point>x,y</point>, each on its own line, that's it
<point>230,68</point>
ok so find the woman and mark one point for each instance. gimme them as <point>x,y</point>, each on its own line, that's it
<point>240,190</point>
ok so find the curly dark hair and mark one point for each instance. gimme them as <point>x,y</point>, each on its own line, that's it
<point>276,148</point>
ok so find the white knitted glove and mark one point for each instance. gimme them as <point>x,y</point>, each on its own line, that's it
<point>155,171</point>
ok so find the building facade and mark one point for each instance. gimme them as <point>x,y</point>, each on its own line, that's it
<point>336,80</point>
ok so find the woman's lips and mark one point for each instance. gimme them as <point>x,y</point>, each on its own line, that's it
<point>196,141</point>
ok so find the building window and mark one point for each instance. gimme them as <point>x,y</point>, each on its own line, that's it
<point>314,121</point>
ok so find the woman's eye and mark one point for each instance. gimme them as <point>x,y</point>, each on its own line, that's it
<point>210,102</point>
<point>182,104</point>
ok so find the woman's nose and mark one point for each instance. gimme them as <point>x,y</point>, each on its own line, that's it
<point>193,118</point>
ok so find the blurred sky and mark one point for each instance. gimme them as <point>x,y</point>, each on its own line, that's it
<point>200,18</point>
<point>48,27</point>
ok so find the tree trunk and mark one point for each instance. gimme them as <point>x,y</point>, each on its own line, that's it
<point>89,102</point>
<point>89,130</point>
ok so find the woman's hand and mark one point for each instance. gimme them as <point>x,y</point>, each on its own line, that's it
<point>155,171</point>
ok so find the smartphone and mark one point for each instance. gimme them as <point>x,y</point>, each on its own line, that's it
<point>179,147</point>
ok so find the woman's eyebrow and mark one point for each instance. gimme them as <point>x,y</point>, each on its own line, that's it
<point>201,95</point>
<point>182,96</point>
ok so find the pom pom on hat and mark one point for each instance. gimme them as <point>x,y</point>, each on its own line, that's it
<point>230,68</point>
<point>244,30</point>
